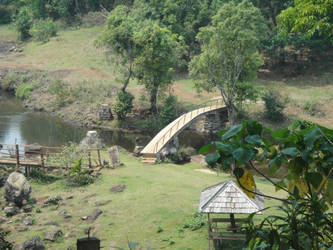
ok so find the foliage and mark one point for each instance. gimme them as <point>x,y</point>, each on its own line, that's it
<point>124,104</point>
<point>5,15</point>
<point>303,225</point>
<point>305,152</point>
<point>273,106</point>
<point>78,175</point>
<point>4,244</point>
<point>311,17</point>
<point>168,111</point>
<point>43,30</point>
<point>24,22</point>
<point>61,91</point>
<point>11,81</point>
<point>157,56</point>
<point>118,36</point>
<point>229,50</point>
<point>40,176</point>
<point>23,91</point>
<point>69,155</point>
<point>183,155</point>
<point>245,92</point>
<point>196,222</point>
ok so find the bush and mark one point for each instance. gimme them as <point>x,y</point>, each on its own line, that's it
<point>78,176</point>
<point>5,15</point>
<point>168,111</point>
<point>24,22</point>
<point>61,90</point>
<point>124,104</point>
<point>183,155</point>
<point>23,91</point>
<point>273,106</point>
<point>10,81</point>
<point>40,176</point>
<point>196,222</point>
<point>4,244</point>
<point>43,30</point>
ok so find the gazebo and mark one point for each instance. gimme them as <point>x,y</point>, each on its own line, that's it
<point>227,198</point>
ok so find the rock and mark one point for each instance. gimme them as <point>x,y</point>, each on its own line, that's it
<point>2,220</point>
<point>84,217</point>
<point>58,198</point>
<point>69,197</point>
<point>170,149</point>
<point>105,113</point>
<point>70,235</point>
<point>10,211</point>
<point>118,188</point>
<point>102,203</point>
<point>33,243</point>
<point>27,208</point>
<point>17,188</point>
<point>92,140</point>
<point>95,214</point>
<point>53,235</point>
<point>51,223</point>
<point>137,151</point>
<point>22,229</point>
<point>28,221</point>
<point>65,213</point>
<point>114,156</point>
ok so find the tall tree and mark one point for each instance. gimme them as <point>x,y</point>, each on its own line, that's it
<point>118,36</point>
<point>229,51</point>
<point>158,55</point>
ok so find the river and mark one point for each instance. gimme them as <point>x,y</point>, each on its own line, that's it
<point>24,126</point>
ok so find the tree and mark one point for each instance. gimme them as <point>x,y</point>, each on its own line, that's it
<point>229,51</point>
<point>118,35</point>
<point>311,17</point>
<point>157,56</point>
<point>305,153</point>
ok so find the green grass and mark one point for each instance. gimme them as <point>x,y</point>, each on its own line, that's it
<point>157,196</point>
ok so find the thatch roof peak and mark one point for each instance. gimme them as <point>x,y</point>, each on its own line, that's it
<point>227,197</point>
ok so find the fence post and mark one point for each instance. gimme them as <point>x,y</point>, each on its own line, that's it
<point>89,159</point>
<point>42,160</point>
<point>17,155</point>
<point>99,157</point>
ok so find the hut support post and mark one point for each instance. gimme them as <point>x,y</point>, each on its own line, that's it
<point>89,159</point>
<point>99,157</point>
<point>209,230</point>
<point>233,223</point>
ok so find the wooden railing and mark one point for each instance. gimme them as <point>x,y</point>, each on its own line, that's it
<point>184,119</point>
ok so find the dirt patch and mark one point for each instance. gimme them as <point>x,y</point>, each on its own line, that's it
<point>206,171</point>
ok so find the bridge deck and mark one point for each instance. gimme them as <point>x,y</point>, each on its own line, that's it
<point>13,161</point>
<point>175,127</point>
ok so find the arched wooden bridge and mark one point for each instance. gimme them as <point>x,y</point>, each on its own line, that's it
<point>152,149</point>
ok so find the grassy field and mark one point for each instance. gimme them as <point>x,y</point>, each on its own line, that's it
<point>156,197</point>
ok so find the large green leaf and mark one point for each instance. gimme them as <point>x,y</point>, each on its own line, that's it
<point>224,147</point>
<point>234,130</point>
<point>274,165</point>
<point>314,178</point>
<point>226,162</point>
<point>254,140</point>
<point>211,159</point>
<point>243,155</point>
<point>280,133</point>
<point>311,137</point>
<point>205,149</point>
<point>238,172</point>
<point>292,151</point>
<point>253,127</point>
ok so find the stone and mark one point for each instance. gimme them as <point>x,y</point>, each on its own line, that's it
<point>105,113</point>
<point>22,229</point>
<point>69,197</point>
<point>2,220</point>
<point>58,198</point>
<point>114,156</point>
<point>17,189</point>
<point>51,223</point>
<point>27,208</point>
<point>10,211</point>
<point>84,217</point>
<point>65,213</point>
<point>33,243</point>
<point>102,203</point>
<point>92,140</point>
<point>95,214</point>
<point>28,221</point>
<point>118,188</point>
<point>170,149</point>
<point>70,235</point>
<point>53,235</point>
<point>137,151</point>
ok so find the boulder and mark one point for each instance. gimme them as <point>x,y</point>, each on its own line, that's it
<point>118,188</point>
<point>95,214</point>
<point>137,151</point>
<point>17,189</point>
<point>170,149</point>
<point>114,156</point>
<point>28,221</point>
<point>12,210</point>
<point>53,235</point>
<point>33,243</point>
<point>105,113</point>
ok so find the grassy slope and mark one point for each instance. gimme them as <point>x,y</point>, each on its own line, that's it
<point>163,195</point>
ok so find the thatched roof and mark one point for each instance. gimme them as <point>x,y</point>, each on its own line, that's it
<point>227,197</point>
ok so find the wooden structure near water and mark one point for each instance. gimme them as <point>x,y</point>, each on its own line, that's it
<point>227,198</point>
<point>38,156</point>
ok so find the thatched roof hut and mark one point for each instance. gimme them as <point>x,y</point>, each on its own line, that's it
<point>227,198</point>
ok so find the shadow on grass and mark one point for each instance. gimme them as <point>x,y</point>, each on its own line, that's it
<point>39,176</point>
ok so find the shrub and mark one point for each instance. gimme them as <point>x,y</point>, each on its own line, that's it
<point>23,91</point>
<point>43,30</point>
<point>168,111</point>
<point>5,15</point>
<point>60,89</point>
<point>124,104</point>
<point>196,222</point>
<point>4,243</point>
<point>273,106</point>
<point>183,155</point>
<point>10,81</point>
<point>23,22</point>
<point>78,176</point>
<point>40,176</point>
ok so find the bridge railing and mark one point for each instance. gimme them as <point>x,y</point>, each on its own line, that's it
<point>182,120</point>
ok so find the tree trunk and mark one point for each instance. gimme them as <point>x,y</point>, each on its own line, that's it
<point>130,72</point>
<point>153,100</point>
<point>231,113</point>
